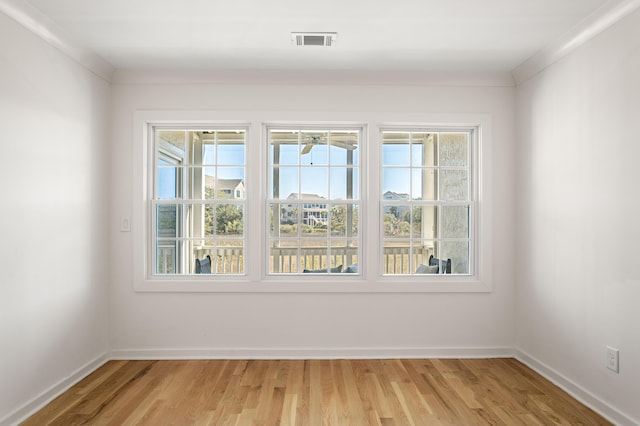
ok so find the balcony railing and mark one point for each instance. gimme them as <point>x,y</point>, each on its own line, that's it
<point>230,260</point>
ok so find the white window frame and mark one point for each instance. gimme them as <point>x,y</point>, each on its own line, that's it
<point>309,127</point>
<point>188,164</point>
<point>370,279</point>
<point>471,202</point>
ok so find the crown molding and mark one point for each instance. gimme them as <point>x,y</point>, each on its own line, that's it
<point>604,17</point>
<point>283,77</point>
<point>42,26</point>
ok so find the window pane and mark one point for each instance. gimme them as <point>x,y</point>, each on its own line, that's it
<point>285,181</point>
<point>167,256</point>
<point>284,220</point>
<point>395,182</point>
<point>209,223</point>
<point>343,146</point>
<point>458,252</point>
<point>420,253</point>
<point>423,149</point>
<point>289,155</point>
<point>168,182</point>
<point>167,219</point>
<point>423,221</point>
<point>348,252</point>
<point>199,251</point>
<point>314,256</point>
<point>229,220</point>
<point>340,255</point>
<point>230,183</point>
<point>454,149</point>
<point>230,173</point>
<point>339,183</point>
<point>454,185</point>
<point>284,149</point>
<point>356,157</point>
<point>229,257</point>
<point>314,182</point>
<point>284,256</point>
<point>318,155</point>
<point>320,260</point>
<point>208,153</point>
<point>309,140</point>
<point>171,140</point>
<point>395,223</point>
<point>396,257</point>
<point>210,183</point>
<point>344,183</point>
<point>418,176</point>
<point>455,221</point>
<point>344,220</point>
<point>315,219</point>
<point>395,154</point>
<point>429,184</point>
<point>232,155</point>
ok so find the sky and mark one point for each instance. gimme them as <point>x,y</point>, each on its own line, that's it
<point>325,171</point>
<point>321,171</point>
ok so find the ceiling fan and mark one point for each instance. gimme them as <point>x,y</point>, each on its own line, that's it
<point>312,140</point>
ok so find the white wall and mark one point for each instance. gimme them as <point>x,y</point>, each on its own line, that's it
<point>54,263</point>
<point>312,324</point>
<point>578,217</point>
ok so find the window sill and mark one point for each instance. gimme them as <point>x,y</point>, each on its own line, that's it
<point>351,285</point>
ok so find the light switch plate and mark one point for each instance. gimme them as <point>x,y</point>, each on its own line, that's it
<point>125,224</point>
<point>612,359</point>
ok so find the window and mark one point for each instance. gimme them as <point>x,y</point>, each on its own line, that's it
<point>427,206</point>
<point>198,201</point>
<point>313,200</point>
<point>308,207</point>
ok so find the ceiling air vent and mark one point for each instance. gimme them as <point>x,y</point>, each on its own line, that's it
<point>313,39</point>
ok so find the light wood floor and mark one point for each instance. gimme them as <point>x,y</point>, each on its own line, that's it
<point>319,392</point>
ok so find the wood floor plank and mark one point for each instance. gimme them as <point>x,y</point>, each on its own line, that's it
<point>315,392</point>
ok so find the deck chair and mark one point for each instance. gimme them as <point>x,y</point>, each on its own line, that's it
<point>203,266</point>
<point>444,264</point>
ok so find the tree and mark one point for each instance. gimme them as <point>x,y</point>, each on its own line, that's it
<point>339,216</point>
<point>415,214</point>
<point>227,218</point>
<point>394,211</point>
<point>393,227</point>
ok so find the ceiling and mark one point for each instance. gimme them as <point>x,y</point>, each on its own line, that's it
<point>373,35</point>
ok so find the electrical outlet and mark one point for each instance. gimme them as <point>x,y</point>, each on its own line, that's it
<point>612,359</point>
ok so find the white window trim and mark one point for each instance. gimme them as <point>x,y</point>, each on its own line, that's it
<point>473,132</point>
<point>182,201</point>
<point>255,280</point>
<point>362,147</point>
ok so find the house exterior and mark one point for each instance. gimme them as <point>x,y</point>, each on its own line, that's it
<point>314,210</point>
<point>231,188</point>
<point>400,210</point>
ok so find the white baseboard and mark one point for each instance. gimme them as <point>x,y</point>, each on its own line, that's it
<point>30,408</point>
<point>610,413</point>
<point>315,353</point>
<point>587,398</point>
<point>22,413</point>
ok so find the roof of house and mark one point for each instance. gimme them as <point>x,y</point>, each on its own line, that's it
<point>390,195</point>
<point>304,196</point>
<point>222,184</point>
